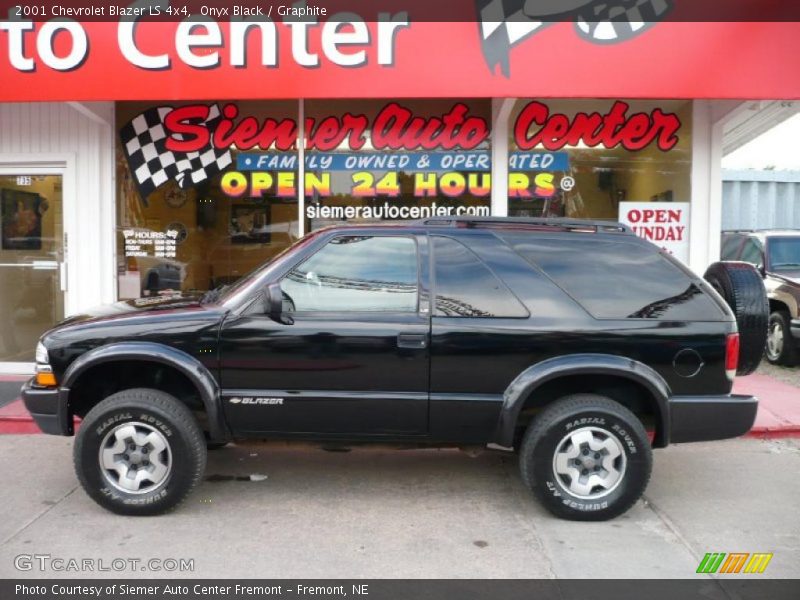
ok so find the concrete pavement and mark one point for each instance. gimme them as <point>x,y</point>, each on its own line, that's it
<point>420,514</point>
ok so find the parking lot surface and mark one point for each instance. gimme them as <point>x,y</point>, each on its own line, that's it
<point>271,511</point>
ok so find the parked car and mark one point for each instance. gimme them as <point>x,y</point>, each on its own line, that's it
<point>776,254</point>
<point>575,344</point>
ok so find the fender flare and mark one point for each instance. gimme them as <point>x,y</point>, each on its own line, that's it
<point>580,364</point>
<point>188,365</point>
<point>784,298</point>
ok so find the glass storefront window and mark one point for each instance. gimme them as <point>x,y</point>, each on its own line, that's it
<point>404,159</point>
<point>207,191</point>
<point>192,220</point>
<point>581,158</point>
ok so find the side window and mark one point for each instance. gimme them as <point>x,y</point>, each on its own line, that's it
<point>356,274</point>
<point>465,287</point>
<point>617,280</point>
<point>730,246</point>
<point>752,253</point>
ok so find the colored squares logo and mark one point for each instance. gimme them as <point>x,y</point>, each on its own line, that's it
<point>734,562</point>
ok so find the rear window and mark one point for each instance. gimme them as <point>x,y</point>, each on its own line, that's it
<point>615,280</point>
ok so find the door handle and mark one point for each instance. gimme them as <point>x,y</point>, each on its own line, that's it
<point>416,341</point>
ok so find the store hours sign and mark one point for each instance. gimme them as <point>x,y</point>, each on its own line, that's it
<point>666,224</point>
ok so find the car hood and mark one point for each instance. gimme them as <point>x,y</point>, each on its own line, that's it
<point>792,276</point>
<point>126,308</point>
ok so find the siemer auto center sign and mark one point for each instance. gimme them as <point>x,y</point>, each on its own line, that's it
<point>79,50</point>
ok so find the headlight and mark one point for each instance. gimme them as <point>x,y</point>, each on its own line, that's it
<point>42,357</point>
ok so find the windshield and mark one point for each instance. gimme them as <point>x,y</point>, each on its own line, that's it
<point>784,254</point>
<point>230,291</point>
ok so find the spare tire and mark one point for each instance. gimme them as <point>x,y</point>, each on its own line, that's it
<point>742,287</point>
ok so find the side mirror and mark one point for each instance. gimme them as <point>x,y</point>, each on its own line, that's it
<point>273,305</point>
<point>274,301</point>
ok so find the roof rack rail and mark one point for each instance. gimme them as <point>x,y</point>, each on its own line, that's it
<point>560,224</point>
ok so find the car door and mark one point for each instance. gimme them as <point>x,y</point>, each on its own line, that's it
<point>350,354</point>
<point>480,337</point>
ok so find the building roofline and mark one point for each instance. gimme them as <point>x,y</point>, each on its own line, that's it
<point>760,175</point>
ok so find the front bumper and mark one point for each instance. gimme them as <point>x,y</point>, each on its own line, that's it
<point>49,409</point>
<point>705,418</point>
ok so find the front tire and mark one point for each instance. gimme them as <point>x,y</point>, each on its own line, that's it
<point>586,457</point>
<point>139,452</point>
<point>780,348</point>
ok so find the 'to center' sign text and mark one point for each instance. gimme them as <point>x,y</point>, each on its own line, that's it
<point>666,224</point>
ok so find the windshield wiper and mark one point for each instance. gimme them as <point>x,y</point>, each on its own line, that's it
<point>787,264</point>
<point>213,295</point>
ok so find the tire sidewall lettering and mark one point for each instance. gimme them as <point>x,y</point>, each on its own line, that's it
<point>584,422</point>
<point>115,418</point>
<point>157,423</point>
<point>626,439</point>
<point>544,470</point>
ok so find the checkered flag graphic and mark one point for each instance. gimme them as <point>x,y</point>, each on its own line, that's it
<point>621,20</point>
<point>144,142</point>
<point>503,25</point>
<point>506,23</point>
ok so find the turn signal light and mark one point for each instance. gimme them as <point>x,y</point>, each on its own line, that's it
<point>732,355</point>
<point>46,379</point>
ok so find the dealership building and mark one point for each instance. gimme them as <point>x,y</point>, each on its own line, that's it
<point>141,158</point>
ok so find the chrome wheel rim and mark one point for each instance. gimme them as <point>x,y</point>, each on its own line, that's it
<point>589,462</point>
<point>775,340</point>
<point>135,458</point>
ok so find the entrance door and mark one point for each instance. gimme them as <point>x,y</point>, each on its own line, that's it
<point>31,258</point>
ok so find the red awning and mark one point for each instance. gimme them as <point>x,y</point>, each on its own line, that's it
<point>669,60</point>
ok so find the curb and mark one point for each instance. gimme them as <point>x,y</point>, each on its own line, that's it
<point>772,433</point>
<point>18,425</point>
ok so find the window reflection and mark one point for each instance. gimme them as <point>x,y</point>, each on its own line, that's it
<point>356,273</point>
<point>615,280</point>
<point>465,287</point>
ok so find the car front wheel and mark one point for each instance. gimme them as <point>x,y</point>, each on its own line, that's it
<point>139,452</point>
<point>586,457</point>
<point>780,348</point>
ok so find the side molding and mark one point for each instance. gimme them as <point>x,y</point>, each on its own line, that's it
<point>197,373</point>
<point>575,365</point>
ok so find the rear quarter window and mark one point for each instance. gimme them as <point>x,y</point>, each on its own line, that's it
<point>465,287</point>
<point>618,280</point>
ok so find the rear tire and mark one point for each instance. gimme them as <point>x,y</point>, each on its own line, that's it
<point>139,452</point>
<point>742,287</point>
<point>586,458</point>
<point>781,349</point>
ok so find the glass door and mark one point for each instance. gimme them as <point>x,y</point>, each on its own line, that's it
<point>31,262</point>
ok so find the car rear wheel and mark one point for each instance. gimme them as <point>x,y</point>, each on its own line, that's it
<point>780,348</point>
<point>139,452</point>
<point>742,287</point>
<point>586,457</point>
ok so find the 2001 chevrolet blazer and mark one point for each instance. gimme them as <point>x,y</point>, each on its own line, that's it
<point>575,343</point>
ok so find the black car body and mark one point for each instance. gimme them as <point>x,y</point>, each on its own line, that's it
<point>449,331</point>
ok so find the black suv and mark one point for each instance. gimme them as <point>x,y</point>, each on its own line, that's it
<point>575,343</point>
<point>776,254</point>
